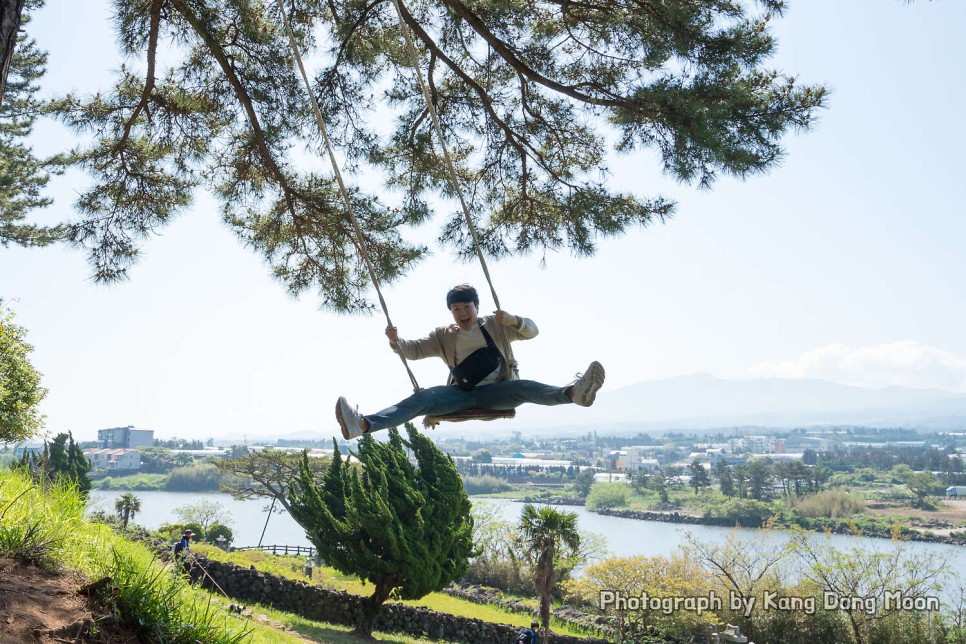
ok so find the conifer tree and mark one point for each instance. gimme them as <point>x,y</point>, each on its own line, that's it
<point>532,97</point>
<point>11,12</point>
<point>404,528</point>
<point>62,461</point>
<point>22,175</point>
<point>700,478</point>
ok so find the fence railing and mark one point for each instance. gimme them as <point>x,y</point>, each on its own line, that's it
<point>305,551</point>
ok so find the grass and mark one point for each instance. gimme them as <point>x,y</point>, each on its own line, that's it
<point>323,632</point>
<point>290,567</point>
<point>46,525</point>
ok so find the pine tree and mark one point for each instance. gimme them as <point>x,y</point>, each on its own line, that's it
<point>62,461</point>
<point>404,528</point>
<point>531,96</point>
<point>23,176</point>
<point>11,12</point>
<point>699,476</point>
<point>725,479</point>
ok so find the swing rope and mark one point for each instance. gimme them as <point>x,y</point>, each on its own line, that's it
<point>360,240</point>
<point>429,421</point>
<point>467,414</point>
<point>442,144</point>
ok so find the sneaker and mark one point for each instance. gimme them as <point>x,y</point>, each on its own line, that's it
<point>587,385</point>
<point>352,423</point>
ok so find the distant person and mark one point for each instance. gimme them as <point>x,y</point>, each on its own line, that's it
<point>529,635</point>
<point>475,350</point>
<point>182,549</point>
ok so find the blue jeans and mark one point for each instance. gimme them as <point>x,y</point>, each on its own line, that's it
<point>447,399</point>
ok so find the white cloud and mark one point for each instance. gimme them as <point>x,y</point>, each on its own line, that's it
<point>903,364</point>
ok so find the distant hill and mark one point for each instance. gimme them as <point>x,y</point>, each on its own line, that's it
<point>701,401</point>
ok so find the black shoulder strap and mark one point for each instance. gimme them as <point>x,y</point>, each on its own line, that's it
<point>489,340</point>
<point>489,343</point>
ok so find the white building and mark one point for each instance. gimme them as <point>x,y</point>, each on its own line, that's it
<point>610,477</point>
<point>113,459</point>
<point>752,444</point>
<point>208,452</point>
<point>541,463</point>
<point>633,459</point>
<point>125,438</point>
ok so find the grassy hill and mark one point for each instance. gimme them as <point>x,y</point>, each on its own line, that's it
<point>109,588</point>
<point>46,539</point>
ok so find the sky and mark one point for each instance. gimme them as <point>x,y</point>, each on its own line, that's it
<point>846,263</point>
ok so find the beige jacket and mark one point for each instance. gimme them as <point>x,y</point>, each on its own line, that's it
<point>441,343</point>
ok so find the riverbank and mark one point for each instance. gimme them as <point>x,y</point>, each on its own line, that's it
<point>837,527</point>
<point>842,527</point>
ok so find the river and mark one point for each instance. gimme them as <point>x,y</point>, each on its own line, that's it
<point>624,537</point>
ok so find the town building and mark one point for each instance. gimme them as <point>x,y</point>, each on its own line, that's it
<point>755,445</point>
<point>636,459</point>
<point>125,438</point>
<point>27,448</point>
<point>128,460</point>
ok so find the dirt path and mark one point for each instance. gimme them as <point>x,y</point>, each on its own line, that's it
<point>42,607</point>
<point>37,606</point>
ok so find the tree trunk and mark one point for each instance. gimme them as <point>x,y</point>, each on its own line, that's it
<point>544,586</point>
<point>10,13</point>
<point>373,604</point>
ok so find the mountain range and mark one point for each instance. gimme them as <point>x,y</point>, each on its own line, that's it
<point>700,402</point>
<point>703,402</point>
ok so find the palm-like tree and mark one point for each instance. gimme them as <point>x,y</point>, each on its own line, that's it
<point>126,506</point>
<point>547,535</point>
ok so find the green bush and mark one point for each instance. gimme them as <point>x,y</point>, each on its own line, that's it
<point>485,484</point>
<point>832,504</point>
<point>509,575</point>
<point>133,482</point>
<point>216,530</point>
<point>745,512</point>
<point>173,531</point>
<point>203,477</point>
<point>607,495</point>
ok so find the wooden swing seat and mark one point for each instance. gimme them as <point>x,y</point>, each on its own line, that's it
<point>469,414</point>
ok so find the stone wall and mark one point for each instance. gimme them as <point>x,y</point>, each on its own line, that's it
<point>323,604</point>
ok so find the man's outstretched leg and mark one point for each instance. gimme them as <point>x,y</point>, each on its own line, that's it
<point>510,394</point>
<point>584,390</point>
<point>353,423</point>
<point>433,401</point>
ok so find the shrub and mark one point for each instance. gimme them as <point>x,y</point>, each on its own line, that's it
<point>216,530</point>
<point>485,484</point>
<point>832,504</point>
<point>173,531</point>
<point>194,478</point>
<point>745,512</point>
<point>607,495</point>
<point>509,575</point>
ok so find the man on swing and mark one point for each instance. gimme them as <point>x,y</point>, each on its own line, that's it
<point>481,376</point>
